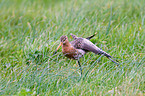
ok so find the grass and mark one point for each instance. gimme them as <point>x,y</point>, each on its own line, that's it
<point>30,32</point>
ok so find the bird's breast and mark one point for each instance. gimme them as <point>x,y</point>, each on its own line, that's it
<point>69,51</point>
<point>72,52</point>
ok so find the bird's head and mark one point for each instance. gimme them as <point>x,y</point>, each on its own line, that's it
<point>63,39</point>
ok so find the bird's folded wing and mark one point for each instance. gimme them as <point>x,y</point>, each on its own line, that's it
<point>89,46</point>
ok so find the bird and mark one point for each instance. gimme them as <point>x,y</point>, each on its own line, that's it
<point>79,47</point>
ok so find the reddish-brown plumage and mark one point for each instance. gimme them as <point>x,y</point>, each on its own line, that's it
<point>69,51</point>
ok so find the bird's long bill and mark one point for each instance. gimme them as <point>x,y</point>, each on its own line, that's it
<point>57,48</point>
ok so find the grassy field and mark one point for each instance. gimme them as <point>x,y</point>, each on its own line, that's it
<point>30,32</point>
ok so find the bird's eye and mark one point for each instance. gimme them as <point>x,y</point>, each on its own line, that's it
<point>64,39</point>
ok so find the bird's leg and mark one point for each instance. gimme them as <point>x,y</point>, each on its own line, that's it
<point>91,36</point>
<point>80,67</point>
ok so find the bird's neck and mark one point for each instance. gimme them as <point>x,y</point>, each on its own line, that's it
<point>66,44</point>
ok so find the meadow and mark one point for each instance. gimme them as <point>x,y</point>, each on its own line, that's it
<point>30,31</point>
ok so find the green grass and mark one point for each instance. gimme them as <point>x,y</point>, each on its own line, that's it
<point>30,32</point>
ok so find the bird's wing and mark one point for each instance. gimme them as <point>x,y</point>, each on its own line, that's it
<point>89,46</point>
<point>90,37</point>
<point>86,45</point>
<point>73,36</point>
